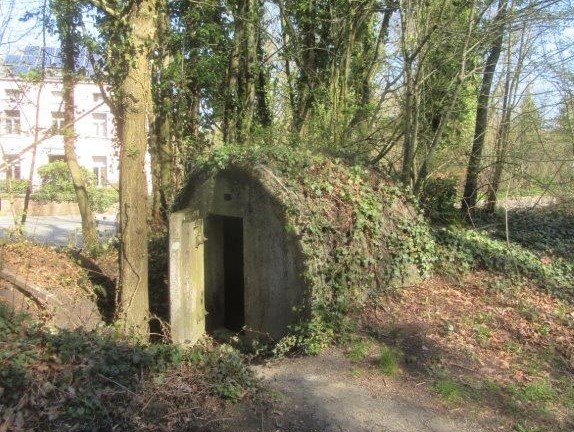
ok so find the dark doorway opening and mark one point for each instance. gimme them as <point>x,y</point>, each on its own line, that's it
<point>224,264</point>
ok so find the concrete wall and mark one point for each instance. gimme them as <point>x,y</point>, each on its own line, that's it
<point>272,264</point>
<point>36,208</point>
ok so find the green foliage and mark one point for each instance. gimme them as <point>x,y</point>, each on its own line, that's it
<point>102,198</point>
<point>521,427</point>
<point>17,187</point>
<point>56,183</point>
<point>16,353</point>
<point>439,198</point>
<point>57,186</point>
<point>359,349</point>
<point>389,360</point>
<point>539,392</point>
<point>360,234</point>
<point>450,391</point>
<point>466,249</point>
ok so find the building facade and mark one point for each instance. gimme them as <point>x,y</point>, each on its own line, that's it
<point>31,118</point>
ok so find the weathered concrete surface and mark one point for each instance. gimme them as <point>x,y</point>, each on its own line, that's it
<point>186,269</point>
<point>272,263</point>
<point>38,208</point>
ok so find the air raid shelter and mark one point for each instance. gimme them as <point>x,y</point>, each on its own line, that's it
<point>256,246</point>
<point>233,265</point>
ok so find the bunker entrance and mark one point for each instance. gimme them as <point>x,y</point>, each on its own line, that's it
<point>224,272</point>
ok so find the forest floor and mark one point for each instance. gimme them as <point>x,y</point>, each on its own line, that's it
<point>479,352</point>
<point>475,354</point>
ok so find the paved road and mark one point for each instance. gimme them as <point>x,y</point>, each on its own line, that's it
<point>58,230</point>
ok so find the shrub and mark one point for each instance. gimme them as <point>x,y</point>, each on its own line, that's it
<point>17,187</point>
<point>439,198</point>
<point>57,186</point>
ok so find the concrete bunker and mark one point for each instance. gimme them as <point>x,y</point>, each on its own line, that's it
<point>233,264</point>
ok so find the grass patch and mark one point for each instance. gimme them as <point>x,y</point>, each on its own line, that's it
<point>525,427</point>
<point>358,350</point>
<point>389,360</point>
<point>450,390</point>
<point>537,392</point>
<point>482,334</point>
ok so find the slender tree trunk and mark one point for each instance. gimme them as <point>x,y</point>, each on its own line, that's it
<point>244,73</point>
<point>28,194</point>
<point>411,109</point>
<point>248,70</point>
<point>470,195</point>
<point>286,54</point>
<point>231,87</point>
<point>161,148</point>
<point>500,146</point>
<point>307,79</point>
<point>68,42</point>
<point>264,116</point>
<point>502,143</point>
<point>373,61</point>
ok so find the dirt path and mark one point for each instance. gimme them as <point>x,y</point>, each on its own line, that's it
<point>327,393</point>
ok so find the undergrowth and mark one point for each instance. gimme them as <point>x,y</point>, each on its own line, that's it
<point>540,248</point>
<point>103,380</point>
<point>360,233</point>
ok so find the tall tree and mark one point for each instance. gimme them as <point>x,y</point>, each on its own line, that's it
<point>41,80</point>
<point>510,97</point>
<point>245,98</point>
<point>68,19</point>
<point>470,194</point>
<point>130,30</point>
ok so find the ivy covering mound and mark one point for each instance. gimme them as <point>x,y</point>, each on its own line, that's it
<point>359,232</point>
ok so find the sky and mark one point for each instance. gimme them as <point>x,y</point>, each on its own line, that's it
<point>15,33</point>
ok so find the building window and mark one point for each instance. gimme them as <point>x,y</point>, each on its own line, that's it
<point>13,95</point>
<point>55,158</point>
<point>12,122</point>
<point>58,94</point>
<point>98,97</point>
<point>100,121</point>
<point>12,166</point>
<point>57,121</point>
<point>100,170</point>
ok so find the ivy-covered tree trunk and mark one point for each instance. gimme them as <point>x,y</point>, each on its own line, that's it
<point>136,111</point>
<point>67,17</point>
<point>243,91</point>
<point>131,30</point>
<point>161,146</point>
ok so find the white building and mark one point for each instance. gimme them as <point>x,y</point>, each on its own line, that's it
<point>26,105</point>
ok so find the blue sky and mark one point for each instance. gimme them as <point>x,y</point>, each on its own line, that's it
<point>18,33</point>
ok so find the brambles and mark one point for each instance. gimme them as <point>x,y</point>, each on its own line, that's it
<point>102,380</point>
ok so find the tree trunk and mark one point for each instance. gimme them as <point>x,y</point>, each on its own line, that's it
<point>136,110</point>
<point>231,87</point>
<point>66,30</point>
<point>28,194</point>
<point>470,196</point>
<point>161,148</point>
<point>502,144</point>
